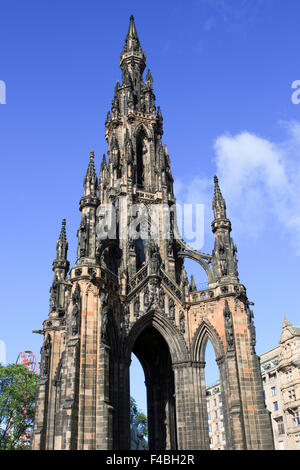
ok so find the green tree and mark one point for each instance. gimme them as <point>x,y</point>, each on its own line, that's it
<point>17,403</point>
<point>138,417</point>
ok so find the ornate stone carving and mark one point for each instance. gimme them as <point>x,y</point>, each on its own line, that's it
<point>182,323</point>
<point>82,234</point>
<point>104,313</point>
<point>76,310</point>
<point>228,327</point>
<point>54,294</point>
<point>45,353</point>
<point>171,309</point>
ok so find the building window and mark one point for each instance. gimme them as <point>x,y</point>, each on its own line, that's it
<point>273,391</point>
<point>292,395</point>
<point>296,419</point>
<point>272,377</point>
<point>215,402</point>
<point>216,414</point>
<point>217,426</point>
<point>297,440</point>
<point>275,405</point>
<point>208,416</point>
<point>281,445</point>
<point>289,375</point>
<point>280,426</point>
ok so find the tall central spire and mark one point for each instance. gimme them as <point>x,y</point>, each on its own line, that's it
<point>132,42</point>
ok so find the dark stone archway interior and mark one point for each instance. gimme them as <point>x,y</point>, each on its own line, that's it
<point>153,353</point>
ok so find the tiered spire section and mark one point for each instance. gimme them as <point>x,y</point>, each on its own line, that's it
<point>61,264</point>
<point>219,205</point>
<point>224,261</point>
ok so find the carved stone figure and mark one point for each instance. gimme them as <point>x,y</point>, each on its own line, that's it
<point>171,309</point>
<point>104,313</point>
<point>228,327</point>
<point>155,260</point>
<point>54,295</point>
<point>182,323</point>
<point>76,301</point>
<point>82,238</point>
<point>45,353</point>
<point>136,307</point>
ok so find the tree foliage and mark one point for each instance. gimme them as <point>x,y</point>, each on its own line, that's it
<point>138,417</point>
<point>17,404</point>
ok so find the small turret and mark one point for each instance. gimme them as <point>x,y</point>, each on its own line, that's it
<point>61,264</point>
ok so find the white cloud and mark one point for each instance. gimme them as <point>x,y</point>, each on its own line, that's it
<point>260,181</point>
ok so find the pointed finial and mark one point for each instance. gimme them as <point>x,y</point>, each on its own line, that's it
<point>286,323</point>
<point>132,41</point>
<point>90,179</point>
<point>193,287</point>
<point>103,164</point>
<point>219,205</point>
<point>62,244</point>
<point>149,79</point>
<point>62,235</point>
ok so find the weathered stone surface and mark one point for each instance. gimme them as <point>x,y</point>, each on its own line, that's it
<point>129,295</point>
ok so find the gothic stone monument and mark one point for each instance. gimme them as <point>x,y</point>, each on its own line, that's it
<point>130,293</point>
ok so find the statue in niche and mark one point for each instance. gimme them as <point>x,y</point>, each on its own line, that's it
<point>146,297</point>
<point>142,150</point>
<point>126,316</point>
<point>136,307</point>
<point>46,357</point>
<point>75,311</point>
<point>82,238</point>
<point>104,312</point>
<point>228,327</point>
<point>171,309</point>
<point>161,298</point>
<point>155,260</point>
<point>182,323</point>
<point>54,294</point>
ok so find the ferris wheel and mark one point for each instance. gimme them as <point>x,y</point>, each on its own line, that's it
<point>27,359</point>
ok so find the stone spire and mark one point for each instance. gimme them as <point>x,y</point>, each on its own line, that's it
<point>219,205</point>
<point>61,264</point>
<point>193,287</point>
<point>224,259</point>
<point>285,323</point>
<point>62,244</point>
<point>90,179</point>
<point>132,43</point>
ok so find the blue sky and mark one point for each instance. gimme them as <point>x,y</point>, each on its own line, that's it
<point>223,71</point>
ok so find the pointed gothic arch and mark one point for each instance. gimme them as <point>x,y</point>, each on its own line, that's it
<point>152,341</point>
<point>171,334</point>
<point>205,332</point>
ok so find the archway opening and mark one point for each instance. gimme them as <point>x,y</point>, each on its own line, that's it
<point>138,406</point>
<point>141,150</point>
<point>153,353</point>
<point>214,400</point>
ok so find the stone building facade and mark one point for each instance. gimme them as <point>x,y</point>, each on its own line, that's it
<point>216,428</point>
<point>129,292</point>
<point>280,371</point>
